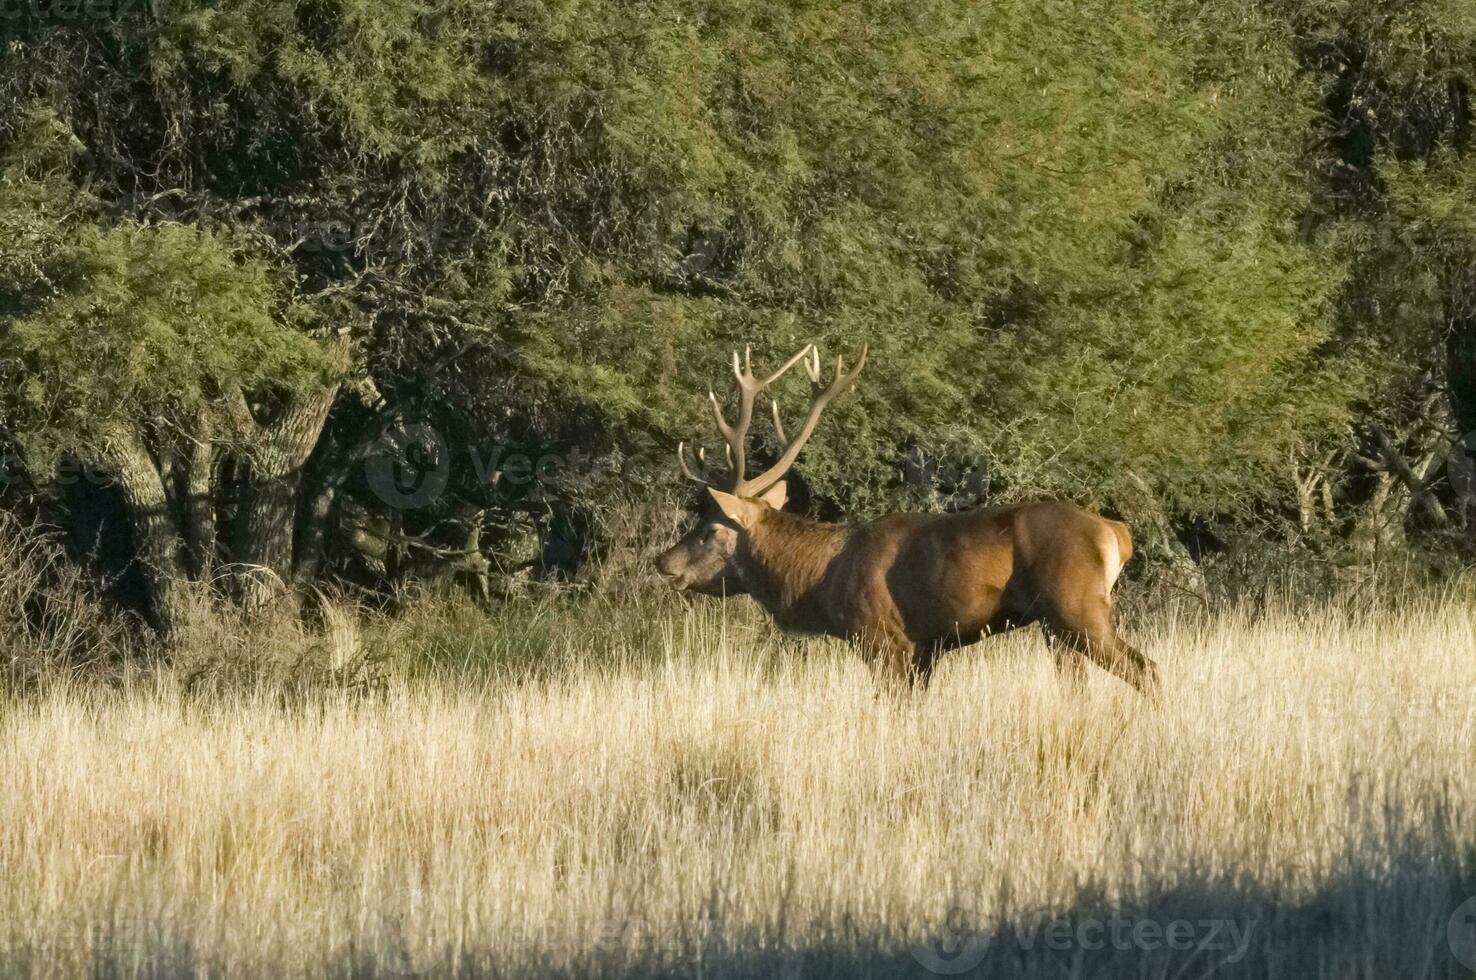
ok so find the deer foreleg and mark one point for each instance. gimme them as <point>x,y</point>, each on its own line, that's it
<point>896,662</point>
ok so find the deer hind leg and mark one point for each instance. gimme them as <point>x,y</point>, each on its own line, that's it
<point>1086,627</point>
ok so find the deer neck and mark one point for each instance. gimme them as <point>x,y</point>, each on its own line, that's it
<point>783,558</point>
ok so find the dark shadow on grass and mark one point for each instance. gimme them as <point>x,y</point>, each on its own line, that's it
<point>1415,917</point>
<point>1411,916</point>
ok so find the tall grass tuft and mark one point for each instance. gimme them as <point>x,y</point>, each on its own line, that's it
<point>52,625</point>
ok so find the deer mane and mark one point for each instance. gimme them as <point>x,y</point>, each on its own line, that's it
<point>783,557</point>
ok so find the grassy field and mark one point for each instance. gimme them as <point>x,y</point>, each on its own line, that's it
<point>700,800</point>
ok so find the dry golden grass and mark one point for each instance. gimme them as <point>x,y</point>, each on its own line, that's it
<point>710,803</point>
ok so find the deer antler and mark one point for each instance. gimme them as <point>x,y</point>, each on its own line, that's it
<point>820,396</point>
<point>735,435</point>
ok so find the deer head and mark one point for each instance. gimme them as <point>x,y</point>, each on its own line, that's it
<point>702,561</point>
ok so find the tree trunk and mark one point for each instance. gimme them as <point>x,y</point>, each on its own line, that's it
<point>156,539</point>
<point>1460,376</point>
<point>1461,471</point>
<point>199,506</point>
<point>474,565</point>
<point>280,449</point>
<point>1415,477</point>
<point>316,529</point>
<point>1378,529</point>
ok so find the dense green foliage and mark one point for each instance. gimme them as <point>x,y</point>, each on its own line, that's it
<point>1218,252</point>
<point>156,317</point>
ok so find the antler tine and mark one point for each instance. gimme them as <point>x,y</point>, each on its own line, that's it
<point>687,470</point>
<point>778,423</point>
<point>785,368</point>
<point>735,435</point>
<point>819,398</point>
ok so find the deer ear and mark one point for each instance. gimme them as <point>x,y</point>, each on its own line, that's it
<point>776,496</point>
<point>742,512</point>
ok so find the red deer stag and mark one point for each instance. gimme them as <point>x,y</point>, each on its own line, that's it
<point>905,587</point>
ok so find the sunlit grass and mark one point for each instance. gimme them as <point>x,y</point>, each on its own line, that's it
<point>706,801</point>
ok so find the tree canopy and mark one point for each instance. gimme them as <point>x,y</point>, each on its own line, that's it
<point>1218,252</point>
